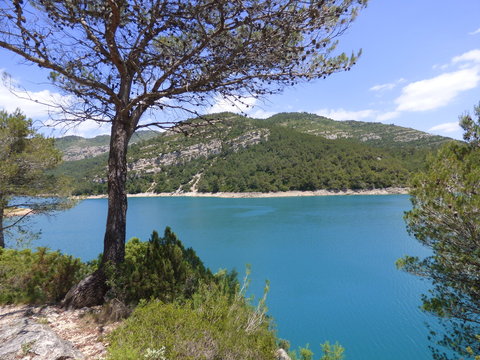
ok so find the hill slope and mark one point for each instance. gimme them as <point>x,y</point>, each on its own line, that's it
<point>375,134</point>
<point>295,151</point>
<point>78,148</point>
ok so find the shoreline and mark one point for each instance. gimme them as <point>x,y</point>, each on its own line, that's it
<point>18,212</point>
<point>278,194</point>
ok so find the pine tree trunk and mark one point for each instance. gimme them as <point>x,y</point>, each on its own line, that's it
<point>2,236</point>
<point>114,240</point>
<point>91,290</point>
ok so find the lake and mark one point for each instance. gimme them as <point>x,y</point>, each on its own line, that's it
<point>330,261</point>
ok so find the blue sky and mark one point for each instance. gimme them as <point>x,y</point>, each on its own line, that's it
<point>420,68</point>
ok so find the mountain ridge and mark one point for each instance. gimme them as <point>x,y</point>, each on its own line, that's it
<point>288,151</point>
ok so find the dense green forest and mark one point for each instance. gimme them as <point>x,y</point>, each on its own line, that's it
<point>232,153</point>
<point>294,161</point>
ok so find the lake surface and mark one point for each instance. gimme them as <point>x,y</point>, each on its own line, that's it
<point>330,261</point>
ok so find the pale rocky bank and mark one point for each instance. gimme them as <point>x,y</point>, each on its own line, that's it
<point>233,195</point>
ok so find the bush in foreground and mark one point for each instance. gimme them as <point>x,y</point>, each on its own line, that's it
<point>37,277</point>
<point>214,324</point>
<point>161,268</point>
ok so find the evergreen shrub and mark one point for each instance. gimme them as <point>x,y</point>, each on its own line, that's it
<point>161,268</point>
<point>38,277</point>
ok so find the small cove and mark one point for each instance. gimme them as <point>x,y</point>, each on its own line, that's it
<point>330,261</point>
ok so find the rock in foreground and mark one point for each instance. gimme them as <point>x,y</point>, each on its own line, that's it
<point>23,338</point>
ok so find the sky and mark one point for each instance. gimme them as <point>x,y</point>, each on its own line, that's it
<point>420,68</point>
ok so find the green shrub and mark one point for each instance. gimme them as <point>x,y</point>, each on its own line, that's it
<point>161,268</point>
<point>212,325</point>
<point>40,276</point>
<point>330,352</point>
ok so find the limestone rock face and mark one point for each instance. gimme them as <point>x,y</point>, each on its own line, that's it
<point>154,163</point>
<point>79,153</point>
<point>23,338</point>
<point>282,355</point>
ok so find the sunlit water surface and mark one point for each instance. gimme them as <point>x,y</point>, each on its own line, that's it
<point>330,261</point>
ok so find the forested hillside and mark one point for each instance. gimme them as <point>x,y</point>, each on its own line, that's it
<point>231,153</point>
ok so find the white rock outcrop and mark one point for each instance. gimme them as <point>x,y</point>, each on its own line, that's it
<point>23,338</point>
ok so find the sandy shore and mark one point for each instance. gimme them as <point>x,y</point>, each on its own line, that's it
<point>17,212</point>
<point>386,191</point>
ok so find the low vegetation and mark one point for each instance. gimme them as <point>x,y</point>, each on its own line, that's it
<point>37,277</point>
<point>214,324</point>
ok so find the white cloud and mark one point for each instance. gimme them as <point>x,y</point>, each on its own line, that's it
<point>41,107</point>
<point>367,114</point>
<point>466,60</point>
<point>261,114</point>
<point>436,92</point>
<point>472,56</point>
<point>34,104</point>
<point>342,114</point>
<point>475,32</point>
<point>44,108</point>
<point>381,87</point>
<point>89,128</point>
<point>233,104</point>
<point>84,128</point>
<point>440,66</point>
<point>446,127</point>
<point>387,86</point>
<point>388,115</point>
<point>248,105</point>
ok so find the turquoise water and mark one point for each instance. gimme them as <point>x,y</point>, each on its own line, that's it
<point>330,261</point>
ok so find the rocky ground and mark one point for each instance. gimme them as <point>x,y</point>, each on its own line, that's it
<point>51,333</point>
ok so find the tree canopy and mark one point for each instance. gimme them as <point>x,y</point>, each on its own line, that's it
<point>116,59</point>
<point>129,56</point>
<point>25,157</point>
<point>446,218</point>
